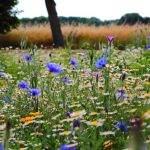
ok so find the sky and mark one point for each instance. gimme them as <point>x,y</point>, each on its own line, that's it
<point>102,9</point>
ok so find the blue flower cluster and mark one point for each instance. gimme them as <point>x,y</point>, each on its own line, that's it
<point>54,67</point>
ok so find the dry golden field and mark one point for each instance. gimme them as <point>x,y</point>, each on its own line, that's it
<point>41,34</point>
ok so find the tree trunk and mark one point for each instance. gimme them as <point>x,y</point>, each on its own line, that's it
<point>54,23</point>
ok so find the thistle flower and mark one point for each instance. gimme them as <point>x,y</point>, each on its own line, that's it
<point>34,92</point>
<point>101,63</point>
<point>122,126</point>
<point>54,67</point>
<point>28,58</point>
<point>73,62</point>
<point>23,85</point>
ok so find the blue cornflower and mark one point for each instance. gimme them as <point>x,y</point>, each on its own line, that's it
<point>148,46</point>
<point>76,123</point>
<point>101,63</point>
<point>68,113</point>
<point>34,92</point>
<point>120,95</point>
<point>4,99</point>
<point>122,126</point>
<point>66,80</point>
<point>23,85</point>
<point>123,76</point>
<point>148,36</point>
<point>54,67</point>
<point>1,74</point>
<point>28,58</point>
<point>67,147</point>
<point>1,147</point>
<point>73,62</point>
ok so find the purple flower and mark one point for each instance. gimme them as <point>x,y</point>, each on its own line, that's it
<point>110,38</point>
<point>54,67</point>
<point>120,95</point>
<point>76,123</point>
<point>123,76</point>
<point>1,74</point>
<point>101,63</point>
<point>73,62</point>
<point>23,85</point>
<point>97,74</point>
<point>34,92</point>
<point>122,126</point>
<point>68,113</point>
<point>136,122</point>
<point>67,147</point>
<point>66,80</point>
<point>5,99</point>
<point>28,58</point>
<point>148,36</point>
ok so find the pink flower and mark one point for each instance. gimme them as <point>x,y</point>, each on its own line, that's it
<point>110,38</point>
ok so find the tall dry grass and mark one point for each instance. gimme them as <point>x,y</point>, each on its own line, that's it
<point>41,34</point>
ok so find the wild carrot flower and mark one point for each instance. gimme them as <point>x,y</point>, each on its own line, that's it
<point>34,92</point>
<point>122,126</point>
<point>23,85</point>
<point>101,63</point>
<point>73,62</point>
<point>54,67</point>
<point>28,58</point>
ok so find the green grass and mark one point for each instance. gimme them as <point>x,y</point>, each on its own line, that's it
<point>90,99</point>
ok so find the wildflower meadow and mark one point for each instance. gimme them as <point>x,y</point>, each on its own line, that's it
<point>64,99</point>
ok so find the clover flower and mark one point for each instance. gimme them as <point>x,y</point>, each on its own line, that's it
<point>54,67</point>
<point>73,62</point>
<point>28,58</point>
<point>101,63</point>
<point>34,92</point>
<point>23,85</point>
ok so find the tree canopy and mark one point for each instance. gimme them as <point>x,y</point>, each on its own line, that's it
<point>8,19</point>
